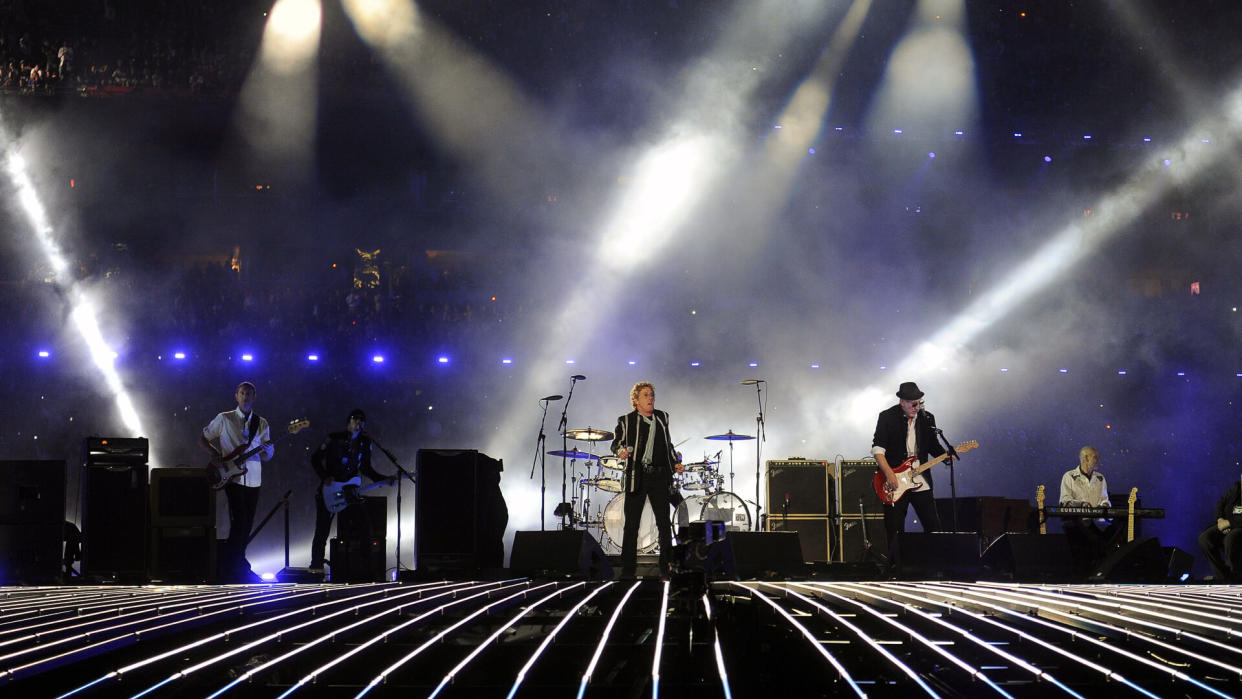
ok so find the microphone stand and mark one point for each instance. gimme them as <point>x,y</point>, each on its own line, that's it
<point>565,508</point>
<point>401,475</point>
<point>541,458</point>
<point>948,447</point>
<point>760,439</point>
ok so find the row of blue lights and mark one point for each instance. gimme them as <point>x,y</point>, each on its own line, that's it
<point>444,360</point>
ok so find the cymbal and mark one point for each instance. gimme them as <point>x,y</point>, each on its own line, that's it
<point>571,454</point>
<point>730,436</point>
<point>589,434</point>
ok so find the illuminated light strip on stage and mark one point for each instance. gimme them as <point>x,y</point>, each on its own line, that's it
<point>82,308</point>
<point>603,641</point>
<point>336,631</point>
<point>832,660</point>
<point>112,614</point>
<point>974,673</point>
<point>659,642</point>
<point>969,596</point>
<point>316,619</point>
<point>1141,605</point>
<point>720,663</point>
<point>383,676</point>
<point>1079,611</point>
<point>1106,672</point>
<point>492,639</point>
<point>382,638</point>
<point>986,645</point>
<point>547,640</point>
<point>222,635</point>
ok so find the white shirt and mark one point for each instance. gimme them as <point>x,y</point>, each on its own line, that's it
<point>1076,488</point>
<point>229,429</point>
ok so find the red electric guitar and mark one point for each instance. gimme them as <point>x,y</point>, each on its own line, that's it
<point>223,470</point>
<point>908,475</point>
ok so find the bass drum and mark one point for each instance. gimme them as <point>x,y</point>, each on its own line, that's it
<point>722,507</point>
<point>614,525</point>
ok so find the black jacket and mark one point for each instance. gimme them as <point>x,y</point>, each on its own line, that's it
<point>342,458</point>
<point>628,434</point>
<point>890,433</point>
<point>1230,501</point>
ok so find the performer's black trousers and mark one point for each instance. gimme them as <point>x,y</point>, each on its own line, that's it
<point>654,487</point>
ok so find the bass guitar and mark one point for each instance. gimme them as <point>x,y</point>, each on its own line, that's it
<point>226,469</point>
<point>338,495</point>
<point>908,475</point>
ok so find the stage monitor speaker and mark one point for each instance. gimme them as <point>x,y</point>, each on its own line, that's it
<point>852,483</point>
<point>460,513</point>
<point>804,483</point>
<point>114,522</point>
<point>183,554</point>
<point>356,561</point>
<point>1040,558</point>
<point>365,520</point>
<point>566,553</point>
<point>849,544</point>
<point>32,492</point>
<point>754,555</point>
<point>1138,561</point>
<point>182,497</point>
<point>31,554</point>
<point>812,531</point>
<point>1179,563</point>
<point>937,556</point>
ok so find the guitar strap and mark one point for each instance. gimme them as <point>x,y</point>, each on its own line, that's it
<point>252,429</point>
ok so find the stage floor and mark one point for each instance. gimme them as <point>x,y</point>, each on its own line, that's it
<point>534,637</point>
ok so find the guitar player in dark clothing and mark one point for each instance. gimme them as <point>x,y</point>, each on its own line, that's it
<point>343,456</point>
<point>902,431</point>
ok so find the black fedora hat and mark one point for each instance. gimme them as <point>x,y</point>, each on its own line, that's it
<point>909,391</point>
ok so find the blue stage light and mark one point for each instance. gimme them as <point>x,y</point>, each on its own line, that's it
<point>815,365</point>
<point>247,357</point>
<point>442,359</point>
<point>377,358</point>
<point>506,360</point>
<point>44,354</point>
<point>178,355</point>
<point>312,357</point>
<point>694,363</point>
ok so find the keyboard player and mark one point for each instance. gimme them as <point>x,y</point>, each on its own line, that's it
<point>1085,485</point>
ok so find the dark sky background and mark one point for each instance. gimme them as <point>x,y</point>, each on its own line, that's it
<point>828,284</point>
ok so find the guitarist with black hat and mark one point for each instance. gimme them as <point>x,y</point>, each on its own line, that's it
<point>341,461</point>
<point>902,431</point>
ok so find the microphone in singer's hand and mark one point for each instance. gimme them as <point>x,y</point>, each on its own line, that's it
<point>552,397</point>
<point>578,377</point>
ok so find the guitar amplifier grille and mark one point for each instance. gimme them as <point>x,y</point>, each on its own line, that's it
<point>852,484</point>
<point>798,487</point>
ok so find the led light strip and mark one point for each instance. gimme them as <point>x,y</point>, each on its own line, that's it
<point>1064,629</point>
<point>832,660</point>
<point>659,642</point>
<point>383,676</point>
<point>720,663</point>
<point>603,641</point>
<point>547,640</point>
<point>974,672</point>
<point>984,644</point>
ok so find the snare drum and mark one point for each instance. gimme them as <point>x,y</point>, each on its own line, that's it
<point>612,463</point>
<point>614,525</point>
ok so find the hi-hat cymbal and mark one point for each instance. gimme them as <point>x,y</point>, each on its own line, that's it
<point>571,454</point>
<point>730,436</point>
<point>589,434</point>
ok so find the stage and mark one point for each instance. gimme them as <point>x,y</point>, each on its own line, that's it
<point>570,637</point>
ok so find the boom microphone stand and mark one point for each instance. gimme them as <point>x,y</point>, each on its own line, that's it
<point>952,453</point>
<point>761,438</point>
<point>402,474</point>
<point>542,459</point>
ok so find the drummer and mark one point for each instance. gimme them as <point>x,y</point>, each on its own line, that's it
<point>642,440</point>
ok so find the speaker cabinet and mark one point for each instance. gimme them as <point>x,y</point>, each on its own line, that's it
<point>798,487</point>
<point>365,520</point>
<point>754,555</point>
<point>853,492</point>
<point>567,553</point>
<point>460,516</point>
<point>181,497</point>
<point>114,522</point>
<point>31,554</point>
<point>851,536</point>
<point>32,492</point>
<point>1037,558</point>
<point>356,561</point>
<point>183,554</point>
<point>937,556</point>
<point>813,532</point>
<point>1138,561</point>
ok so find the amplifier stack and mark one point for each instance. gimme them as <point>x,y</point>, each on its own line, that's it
<point>825,502</point>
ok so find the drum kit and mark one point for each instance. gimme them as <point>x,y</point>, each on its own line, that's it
<point>703,482</point>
